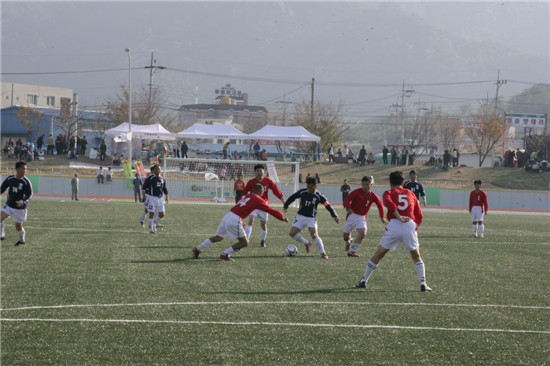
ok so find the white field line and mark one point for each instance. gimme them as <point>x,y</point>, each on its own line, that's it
<point>310,325</point>
<point>90,229</point>
<point>275,204</point>
<point>140,229</point>
<point>223,303</point>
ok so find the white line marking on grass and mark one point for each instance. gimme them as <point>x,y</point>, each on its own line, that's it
<point>276,303</point>
<point>310,325</point>
<point>80,229</point>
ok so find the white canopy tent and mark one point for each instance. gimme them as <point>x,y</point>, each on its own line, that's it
<point>149,132</point>
<point>202,131</point>
<point>120,135</point>
<point>283,133</point>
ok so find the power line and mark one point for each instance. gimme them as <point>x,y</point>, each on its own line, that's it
<point>280,81</point>
<point>284,95</point>
<point>251,78</point>
<point>64,72</point>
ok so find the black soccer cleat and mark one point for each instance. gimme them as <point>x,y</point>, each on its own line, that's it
<point>361,284</point>
<point>226,257</point>
<point>19,242</point>
<point>425,288</point>
<point>262,244</point>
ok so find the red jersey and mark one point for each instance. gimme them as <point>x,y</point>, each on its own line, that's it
<point>360,202</point>
<point>479,198</point>
<point>405,202</point>
<point>238,185</point>
<point>268,184</point>
<point>251,202</point>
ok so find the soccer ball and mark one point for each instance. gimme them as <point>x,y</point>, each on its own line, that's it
<point>291,250</point>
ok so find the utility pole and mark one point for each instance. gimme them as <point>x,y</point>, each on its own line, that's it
<point>499,83</point>
<point>312,100</point>
<point>152,67</point>
<point>75,116</point>
<point>284,102</point>
<point>396,107</point>
<point>404,93</point>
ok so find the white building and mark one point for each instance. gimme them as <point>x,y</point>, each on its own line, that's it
<point>29,95</point>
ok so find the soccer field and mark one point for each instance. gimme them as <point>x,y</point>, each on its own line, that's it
<point>91,287</point>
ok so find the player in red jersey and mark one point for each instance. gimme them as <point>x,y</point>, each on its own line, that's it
<point>238,187</point>
<point>232,226</point>
<point>404,215</point>
<point>479,205</point>
<point>268,184</point>
<point>357,205</point>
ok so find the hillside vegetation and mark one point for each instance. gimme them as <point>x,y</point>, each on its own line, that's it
<point>492,178</point>
<point>334,174</point>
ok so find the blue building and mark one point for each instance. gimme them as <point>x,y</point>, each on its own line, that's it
<point>90,124</point>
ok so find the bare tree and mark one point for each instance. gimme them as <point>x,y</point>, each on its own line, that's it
<point>328,122</point>
<point>486,129</point>
<point>147,108</point>
<point>449,131</point>
<point>421,132</point>
<point>30,119</point>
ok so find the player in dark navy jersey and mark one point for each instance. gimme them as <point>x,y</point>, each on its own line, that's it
<point>155,184</point>
<point>309,198</point>
<point>415,186</point>
<point>19,189</point>
<point>145,194</point>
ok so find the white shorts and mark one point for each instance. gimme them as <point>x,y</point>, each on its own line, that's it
<point>398,232</point>
<point>146,202</point>
<point>355,222</point>
<point>155,204</point>
<point>19,215</point>
<point>301,222</point>
<point>262,215</point>
<point>477,213</point>
<point>231,227</point>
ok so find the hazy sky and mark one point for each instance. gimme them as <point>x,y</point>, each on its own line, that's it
<point>358,52</point>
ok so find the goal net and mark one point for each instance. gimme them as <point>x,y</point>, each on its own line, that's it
<point>213,179</point>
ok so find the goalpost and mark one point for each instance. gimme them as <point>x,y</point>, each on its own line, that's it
<point>213,179</point>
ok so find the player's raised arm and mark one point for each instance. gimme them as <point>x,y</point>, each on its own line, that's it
<point>418,215</point>
<point>324,201</point>
<point>380,206</point>
<point>276,191</point>
<point>291,199</point>
<point>388,202</point>
<point>273,212</point>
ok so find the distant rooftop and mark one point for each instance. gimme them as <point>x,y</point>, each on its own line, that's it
<point>224,107</point>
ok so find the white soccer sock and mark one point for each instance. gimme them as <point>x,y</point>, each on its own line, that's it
<point>3,228</point>
<point>481,229</point>
<point>421,271</point>
<point>248,231</point>
<point>354,247</point>
<point>319,245</point>
<point>205,244</point>
<point>300,239</point>
<point>156,216</point>
<point>368,271</point>
<point>263,234</point>
<point>22,235</point>
<point>151,224</point>
<point>157,219</point>
<point>142,216</point>
<point>474,229</point>
<point>229,251</point>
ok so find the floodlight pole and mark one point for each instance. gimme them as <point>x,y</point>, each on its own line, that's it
<point>130,104</point>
